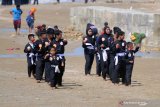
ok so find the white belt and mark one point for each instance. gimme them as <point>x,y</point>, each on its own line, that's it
<point>98,55</point>
<point>56,68</point>
<point>89,46</point>
<point>31,56</point>
<point>60,55</point>
<point>104,54</point>
<point>120,54</point>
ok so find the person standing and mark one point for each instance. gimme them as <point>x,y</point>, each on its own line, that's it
<point>36,2</point>
<point>88,44</point>
<point>16,13</point>
<point>30,19</point>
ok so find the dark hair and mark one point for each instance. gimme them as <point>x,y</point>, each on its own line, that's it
<point>105,24</point>
<point>116,30</point>
<point>51,48</point>
<point>30,35</point>
<point>57,32</point>
<point>88,30</point>
<point>50,31</point>
<point>42,32</point>
<point>104,29</point>
<point>129,44</point>
<point>17,6</point>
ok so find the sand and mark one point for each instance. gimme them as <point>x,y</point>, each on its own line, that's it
<point>17,90</point>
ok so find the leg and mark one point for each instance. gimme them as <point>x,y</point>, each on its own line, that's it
<point>129,68</point>
<point>98,65</point>
<point>111,66</point>
<point>115,73</point>
<point>47,71</point>
<point>39,70</point>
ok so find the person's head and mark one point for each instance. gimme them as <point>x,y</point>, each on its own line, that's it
<point>50,33</point>
<point>58,34</point>
<point>130,46</point>
<point>43,27</point>
<point>53,51</point>
<point>116,30</point>
<point>56,27</point>
<point>33,10</point>
<point>105,24</point>
<point>121,35</point>
<point>107,30</point>
<point>89,32</point>
<point>18,6</point>
<point>31,38</point>
<point>43,35</point>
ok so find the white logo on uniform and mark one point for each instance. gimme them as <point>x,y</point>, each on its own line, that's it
<point>123,44</point>
<point>61,43</point>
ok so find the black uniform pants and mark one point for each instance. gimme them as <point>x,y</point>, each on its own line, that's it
<point>53,77</point>
<point>111,65</point>
<point>62,70</point>
<point>104,66</point>
<point>119,71</point>
<point>31,70</point>
<point>98,64</point>
<point>47,71</point>
<point>40,69</point>
<point>129,68</point>
<point>36,2</point>
<point>89,61</point>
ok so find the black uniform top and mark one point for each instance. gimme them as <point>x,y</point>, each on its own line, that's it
<point>130,54</point>
<point>31,46</point>
<point>60,46</point>
<point>39,49</point>
<point>103,39</point>
<point>122,45</point>
<point>89,49</point>
<point>112,48</point>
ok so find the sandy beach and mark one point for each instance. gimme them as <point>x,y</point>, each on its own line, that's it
<point>17,90</point>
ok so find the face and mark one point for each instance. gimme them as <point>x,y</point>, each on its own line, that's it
<point>53,51</point>
<point>50,36</point>
<point>90,32</point>
<point>130,47</point>
<point>43,36</point>
<point>122,37</point>
<point>32,39</point>
<point>108,31</point>
<point>59,36</point>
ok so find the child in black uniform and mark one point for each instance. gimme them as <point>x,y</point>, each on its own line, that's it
<point>29,49</point>
<point>130,61</point>
<point>54,61</point>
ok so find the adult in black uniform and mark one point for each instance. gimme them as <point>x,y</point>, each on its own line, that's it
<point>112,51</point>
<point>40,53</point>
<point>103,43</point>
<point>88,44</point>
<point>119,70</point>
<point>60,44</point>
<point>48,46</point>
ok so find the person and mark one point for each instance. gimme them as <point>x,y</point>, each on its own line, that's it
<point>58,1</point>
<point>40,52</point>
<point>112,52</point>
<point>60,44</point>
<point>48,40</point>
<point>35,2</point>
<point>30,19</point>
<point>86,1</point>
<point>16,13</point>
<point>29,49</point>
<point>120,65</point>
<point>54,62</point>
<point>88,44</point>
<point>104,51</point>
<point>130,62</point>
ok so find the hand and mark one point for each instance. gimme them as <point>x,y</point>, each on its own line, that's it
<point>62,64</point>
<point>102,46</point>
<point>85,40</point>
<point>55,45</point>
<point>28,48</point>
<point>40,46</point>
<point>117,46</point>
<point>65,40</point>
<point>46,44</point>
<point>130,61</point>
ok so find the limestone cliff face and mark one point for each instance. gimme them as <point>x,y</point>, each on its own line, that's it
<point>128,20</point>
